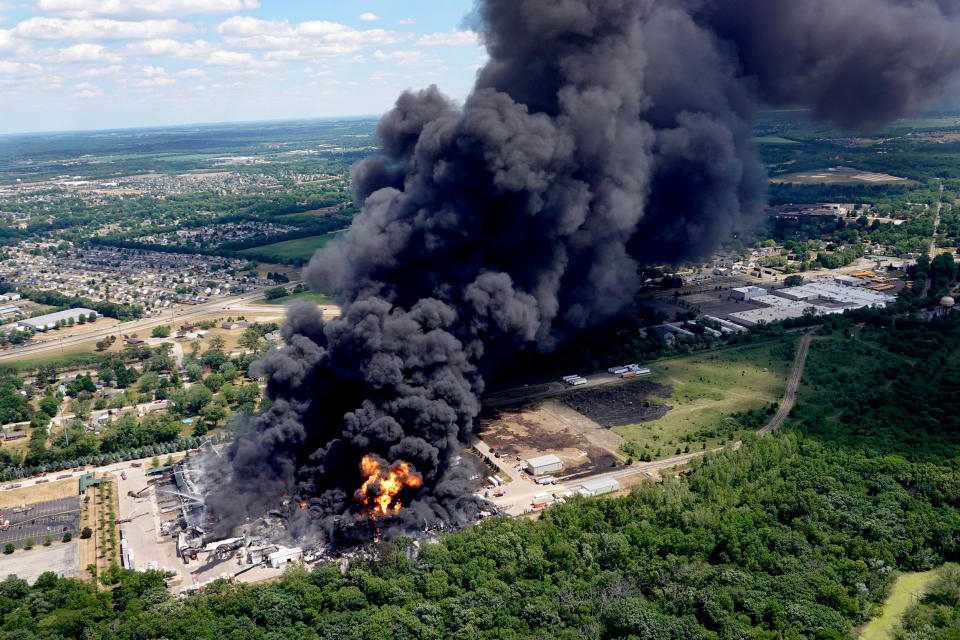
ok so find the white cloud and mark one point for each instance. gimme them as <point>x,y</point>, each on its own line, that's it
<point>369,17</point>
<point>13,68</point>
<point>311,38</point>
<point>95,30</point>
<point>405,21</point>
<point>222,58</point>
<point>192,73</point>
<point>84,52</point>
<point>407,58</point>
<point>141,8</point>
<point>167,47</point>
<point>87,90</point>
<point>99,72</point>
<point>454,38</point>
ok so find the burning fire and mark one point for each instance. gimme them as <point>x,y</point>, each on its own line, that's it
<point>379,492</point>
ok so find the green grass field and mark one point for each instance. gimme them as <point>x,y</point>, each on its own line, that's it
<point>903,593</point>
<point>845,176</point>
<point>306,296</point>
<point>709,387</point>
<point>76,360</point>
<point>299,248</point>
<point>774,140</point>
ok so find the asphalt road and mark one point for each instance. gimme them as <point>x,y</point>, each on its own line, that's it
<point>54,343</point>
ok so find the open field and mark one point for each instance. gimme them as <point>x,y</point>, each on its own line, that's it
<point>839,175</point>
<point>904,592</point>
<point>773,140</point>
<point>306,296</point>
<point>532,430</point>
<point>299,248</point>
<point>706,388</point>
<point>55,490</point>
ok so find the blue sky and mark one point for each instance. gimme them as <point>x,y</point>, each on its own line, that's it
<point>85,64</point>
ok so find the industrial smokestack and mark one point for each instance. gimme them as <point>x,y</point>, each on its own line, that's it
<point>600,136</point>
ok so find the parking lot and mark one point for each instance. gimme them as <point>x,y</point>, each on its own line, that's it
<point>52,518</point>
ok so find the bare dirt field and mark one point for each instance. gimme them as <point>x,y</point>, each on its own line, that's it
<point>616,405</point>
<point>530,430</point>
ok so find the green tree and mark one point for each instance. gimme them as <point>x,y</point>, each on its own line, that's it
<point>162,331</point>
<point>86,533</point>
<point>9,548</point>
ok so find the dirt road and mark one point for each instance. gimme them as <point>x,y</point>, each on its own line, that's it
<point>518,495</point>
<point>933,242</point>
<point>790,395</point>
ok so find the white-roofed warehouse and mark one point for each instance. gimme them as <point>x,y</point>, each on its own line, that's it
<point>49,321</point>
<point>544,464</point>
<point>597,486</point>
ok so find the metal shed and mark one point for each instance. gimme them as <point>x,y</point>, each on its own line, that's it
<point>544,464</point>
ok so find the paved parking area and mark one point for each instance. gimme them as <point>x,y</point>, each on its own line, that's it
<point>52,518</point>
<point>62,559</point>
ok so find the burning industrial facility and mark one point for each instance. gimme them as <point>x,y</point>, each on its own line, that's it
<point>601,135</point>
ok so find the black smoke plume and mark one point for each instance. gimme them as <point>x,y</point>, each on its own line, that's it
<point>600,136</point>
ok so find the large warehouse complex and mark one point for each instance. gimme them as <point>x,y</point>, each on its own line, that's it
<point>821,296</point>
<point>50,320</point>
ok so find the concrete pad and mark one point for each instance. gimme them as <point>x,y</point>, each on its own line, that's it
<point>61,559</point>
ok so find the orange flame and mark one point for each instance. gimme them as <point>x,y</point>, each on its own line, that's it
<point>302,505</point>
<point>379,492</point>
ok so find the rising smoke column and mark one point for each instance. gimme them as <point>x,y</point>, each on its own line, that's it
<point>601,135</point>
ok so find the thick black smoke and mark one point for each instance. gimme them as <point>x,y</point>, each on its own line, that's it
<point>601,135</point>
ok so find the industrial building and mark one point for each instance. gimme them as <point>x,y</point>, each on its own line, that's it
<point>822,296</point>
<point>598,486</point>
<point>544,464</point>
<point>747,293</point>
<point>49,321</point>
<point>280,559</point>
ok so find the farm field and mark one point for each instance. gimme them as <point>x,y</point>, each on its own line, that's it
<point>706,388</point>
<point>301,248</point>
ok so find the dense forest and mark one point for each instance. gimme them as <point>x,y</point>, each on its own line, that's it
<point>795,535</point>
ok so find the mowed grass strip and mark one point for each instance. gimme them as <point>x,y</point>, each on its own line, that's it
<point>306,296</point>
<point>301,248</point>
<point>905,591</point>
<point>706,388</point>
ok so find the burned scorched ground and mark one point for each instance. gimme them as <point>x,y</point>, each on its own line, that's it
<point>616,405</point>
<point>533,429</point>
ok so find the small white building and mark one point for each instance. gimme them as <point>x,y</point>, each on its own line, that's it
<point>544,464</point>
<point>280,559</point>
<point>598,486</point>
<point>747,293</point>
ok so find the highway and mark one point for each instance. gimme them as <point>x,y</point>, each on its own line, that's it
<point>51,342</point>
